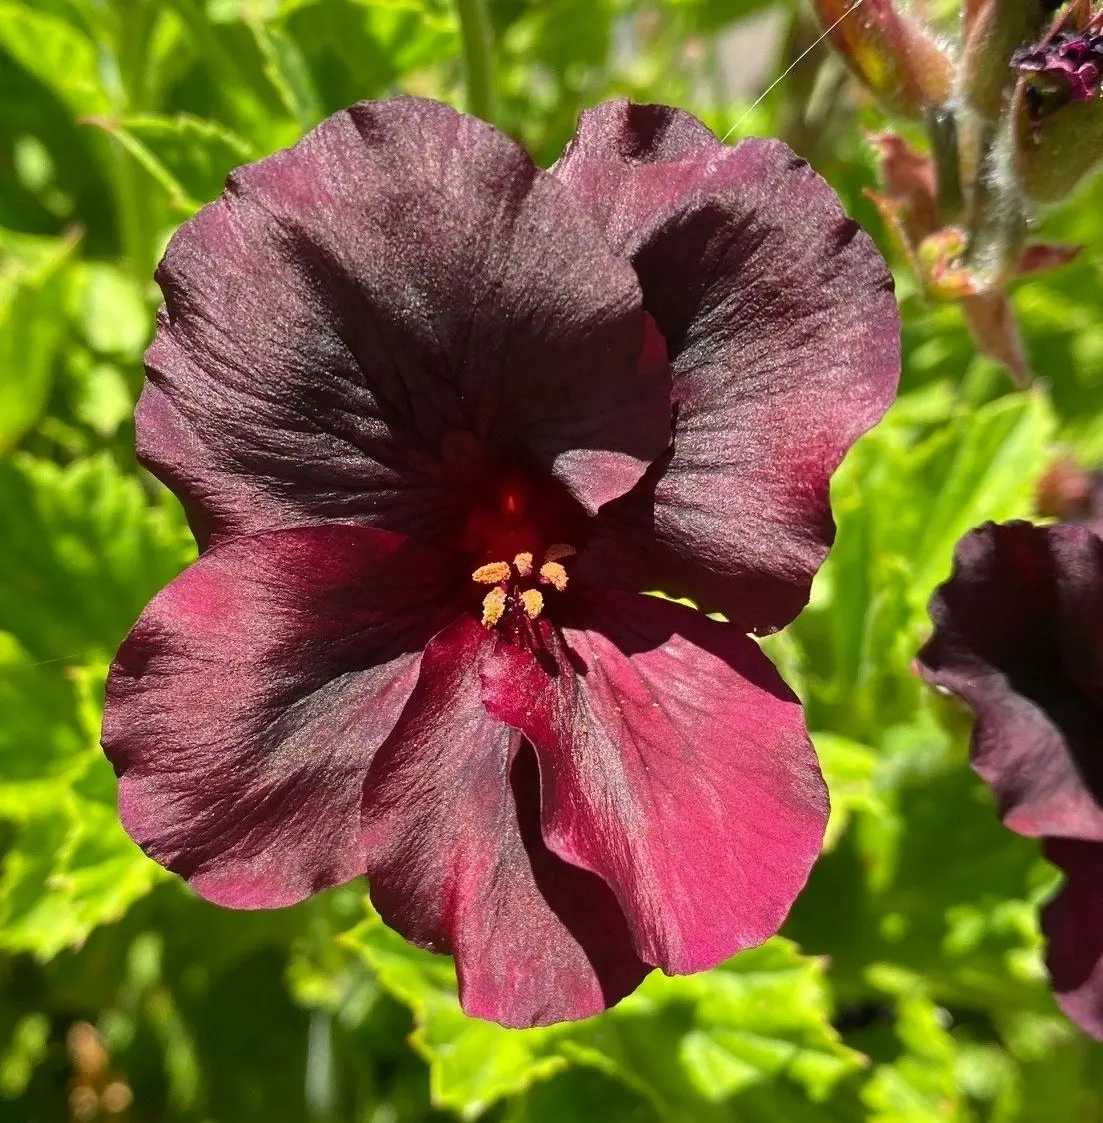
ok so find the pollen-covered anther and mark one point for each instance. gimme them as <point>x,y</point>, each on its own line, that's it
<point>494,605</point>
<point>554,574</point>
<point>532,600</point>
<point>523,564</point>
<point>493,573</point>
<point>558,551</point>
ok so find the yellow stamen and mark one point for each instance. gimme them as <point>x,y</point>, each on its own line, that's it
<point>523,564</point>
<point>554,574</point>
<point>533,602</point>
<point>558,551</point>
<point>494,604</point>
<point>491,574</point>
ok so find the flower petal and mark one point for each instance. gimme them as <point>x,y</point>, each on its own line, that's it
<point>244,707</point>
<point>1073,925</point>
<point>360,322</point>
<point>456,862</point>
<point>783,333</point>
<point>675,764</point>
<point>1019,637</point>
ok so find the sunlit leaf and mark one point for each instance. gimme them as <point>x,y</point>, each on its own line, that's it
<point>33,289</point>
<point>56,53</point>
<point>83,552</point>
<point>697,1047</point>
<point>187,157</point>
<point>69,866</point>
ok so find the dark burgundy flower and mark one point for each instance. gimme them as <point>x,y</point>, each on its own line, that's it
<point>1019,636</point>
<point>1073,925</point>
<point>1069,65</point>
<point>439,420</point>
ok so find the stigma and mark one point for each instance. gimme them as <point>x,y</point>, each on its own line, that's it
<point>519,583</point>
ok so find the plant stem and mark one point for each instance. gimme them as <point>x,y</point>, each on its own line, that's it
<point>132,55</point>
<point>942,130</point>
<point>478,63</point>
<point>997,220</point>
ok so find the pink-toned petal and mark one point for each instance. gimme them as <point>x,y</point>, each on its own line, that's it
<point>1019,637</point>
<point>1073,925</point>
<point>364,323</point>
<point>783,333</point>
<point>456,863</point>
<point>245,706</point>
<point>675,764</point>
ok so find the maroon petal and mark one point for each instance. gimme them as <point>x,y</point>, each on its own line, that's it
<point>245,706</point>
<point>1073,925</point>
<point>783,334</point>
<point>675,764</point>
<point>1019,636</point>
<point>456,862</point>
<point>363,320</point>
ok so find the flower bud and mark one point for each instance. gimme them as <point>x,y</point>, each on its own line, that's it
<point>993,31</point>
<point>1067,67</point>
<point>941,265</point>
<point>891,53</point>
<point>1055,150</point>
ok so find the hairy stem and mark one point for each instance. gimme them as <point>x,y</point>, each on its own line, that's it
<point>942,130</point>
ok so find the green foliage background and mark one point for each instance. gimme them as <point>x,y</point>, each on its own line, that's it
<point>907,985</point>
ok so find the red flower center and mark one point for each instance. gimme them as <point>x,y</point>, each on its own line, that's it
<point>519,546</point>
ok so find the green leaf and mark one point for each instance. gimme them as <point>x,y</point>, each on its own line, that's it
<point>1063,1079</point>
<point>988,469</point>
<point>84,552</point>
<point>932,884</point>
<point>26,1050</point>
<point>346,50</point>
<point>581,1095</point>
<point>902,499</point>
<point>286,69</point>
<point>101,395</point>
<point>111,310</point>
<point>56,53</point>
<point>187,156</point>
<point>33,287</point>
<point>69,866</point>
<point>849,769</point>
<point>921,1086</point>
<point>697,1047</point>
